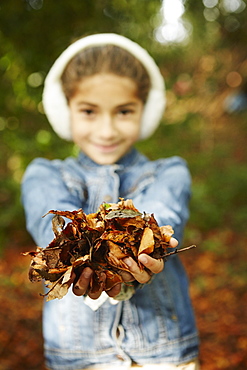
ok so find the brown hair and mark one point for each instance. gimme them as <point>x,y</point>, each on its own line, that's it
<point>105,59</point>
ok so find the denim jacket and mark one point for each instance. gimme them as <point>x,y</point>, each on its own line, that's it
<point>157,324</point>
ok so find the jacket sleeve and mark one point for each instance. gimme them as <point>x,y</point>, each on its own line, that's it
<point>168,195</point>
<point>44,189</point>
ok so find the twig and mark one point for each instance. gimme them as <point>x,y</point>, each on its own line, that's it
<point>180,250</point>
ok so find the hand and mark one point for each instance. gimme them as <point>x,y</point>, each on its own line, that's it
<point>135,273</point>
<point>153,265</point>
<point>80,287</point>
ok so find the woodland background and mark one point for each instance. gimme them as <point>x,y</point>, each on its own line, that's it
<point>198,125</point>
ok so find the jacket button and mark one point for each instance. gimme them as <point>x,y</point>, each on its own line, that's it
<point>107,198</point>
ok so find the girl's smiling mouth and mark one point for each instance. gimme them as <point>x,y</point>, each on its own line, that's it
<point>106,148</point>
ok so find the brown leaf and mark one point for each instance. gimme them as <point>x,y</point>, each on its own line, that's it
<point>115,250</point>
<point>166,232</point>
<point>112,278</point>
<point>59,288</point>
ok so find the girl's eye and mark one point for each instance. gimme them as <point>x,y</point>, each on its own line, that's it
<point>125,112</point>
<point>87,112</point>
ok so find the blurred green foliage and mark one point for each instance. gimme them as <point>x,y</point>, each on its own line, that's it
<point>198,78</point>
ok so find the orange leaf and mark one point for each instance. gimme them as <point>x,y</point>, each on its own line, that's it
<point>147,242</point>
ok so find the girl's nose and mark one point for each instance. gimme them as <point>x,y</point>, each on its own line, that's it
<point>107,128</point>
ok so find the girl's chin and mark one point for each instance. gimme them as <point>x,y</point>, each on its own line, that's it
<point>106,159</point>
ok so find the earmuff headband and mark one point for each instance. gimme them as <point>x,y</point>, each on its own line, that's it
<point>54,100</point>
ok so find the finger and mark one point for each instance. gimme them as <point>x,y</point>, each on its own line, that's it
<point>154,265</point>
<point>81,286</point>
<point>95,295</point>
<point>173,243</point>
<point>72,277</point>
<point>113,292</point>
<point>126,276</point>
<point>141,276</point>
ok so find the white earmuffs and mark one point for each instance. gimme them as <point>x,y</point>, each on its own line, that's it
<point>55,103</point>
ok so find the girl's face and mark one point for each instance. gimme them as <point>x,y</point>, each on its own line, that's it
<point>105,117</point>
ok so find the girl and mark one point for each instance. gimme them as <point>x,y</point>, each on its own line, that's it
<point>104,93</point>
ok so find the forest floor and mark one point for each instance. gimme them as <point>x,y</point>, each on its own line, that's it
<point>218,291</point>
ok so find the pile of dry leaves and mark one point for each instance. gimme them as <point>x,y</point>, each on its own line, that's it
<point>100,241</point>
